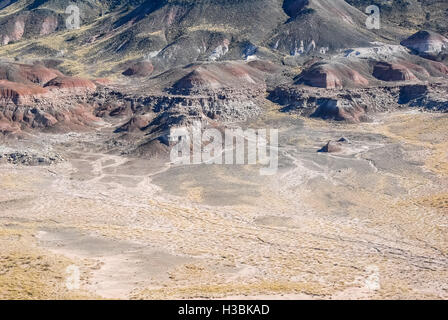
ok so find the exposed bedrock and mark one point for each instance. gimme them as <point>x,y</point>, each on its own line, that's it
<point>346,109</point>
<point>230,77</point>
<point>36,97</point>
<point>428,44</point>
<point>370,67</point>
<point>351,105</point>
<point>332,76</point>
<point>160,112</point>
<point>428,96</point>
<point>139,69</point>
<point>24,73</point>
<point>64,117</point>
<point>393,72</point>
<point>356,104</point>
<point>225,92</point>
<point>71,83</point>
<point>33,96</point>
<point>412,92</point>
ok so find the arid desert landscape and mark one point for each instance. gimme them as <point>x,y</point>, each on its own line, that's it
<point>92,205</point>
<point>140,228</point>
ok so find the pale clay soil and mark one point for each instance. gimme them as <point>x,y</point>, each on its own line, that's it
<point>367,223</point>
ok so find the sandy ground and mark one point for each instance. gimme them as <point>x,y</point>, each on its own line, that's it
<point>369,222</point>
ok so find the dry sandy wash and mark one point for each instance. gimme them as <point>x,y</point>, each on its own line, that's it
<point>369,221</point>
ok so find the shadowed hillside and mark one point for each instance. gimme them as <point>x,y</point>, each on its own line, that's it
<point>174,33</point>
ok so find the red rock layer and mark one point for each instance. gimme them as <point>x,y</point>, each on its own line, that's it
<point>70,83</point>
<point>333,76</point>
<point>392,72</point>
<point>14,91</point>
<point>27,103</point>
<point>223,76</point>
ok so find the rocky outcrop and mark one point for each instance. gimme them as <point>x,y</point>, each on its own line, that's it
<point>136,123</point>
<point>219,78</point>
<point>386,71</point>
<point>36,97</point>
<point>350,105</point>
<point>71,83</point>
<point>158,113</point>
<point>340,110</point>
<point>427,44</point>
<point>13,29</point>
<point>139,69</point>
<point>425,96</point>
<point>227,91</point>
<point>42,114</point>
<point>49,25</point>
<point>357,104</point>
<point>26,74</point>
<point>332,76</point>
<point>331,147</point>
<point>437,68</point>
<point>322,78</point>
<point>334,146</point>
<point>412,92</point>
<point>17,92</point>
<point>29,158</point>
